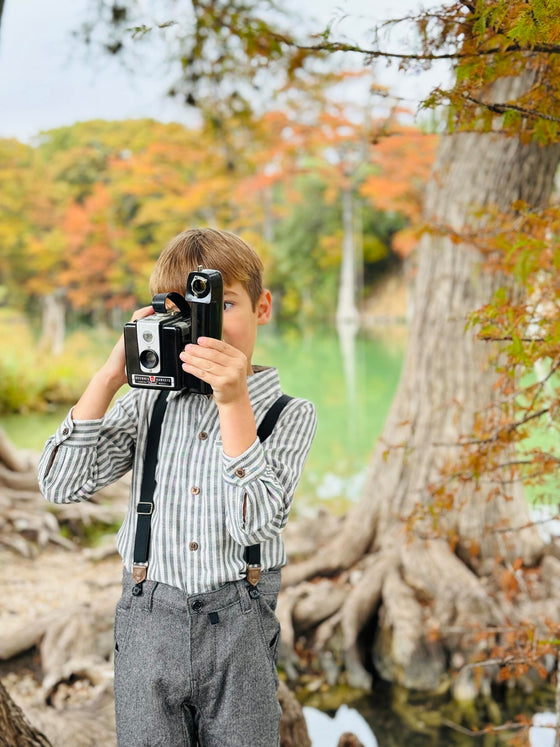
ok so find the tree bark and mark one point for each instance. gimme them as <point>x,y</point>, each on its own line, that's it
<point>346,312</point>
<point>15,731</point>
<point>53,324</point>
<point>417,587</point>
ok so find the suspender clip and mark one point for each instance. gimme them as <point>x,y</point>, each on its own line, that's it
<point>253,573</point>
<point>139,572</point>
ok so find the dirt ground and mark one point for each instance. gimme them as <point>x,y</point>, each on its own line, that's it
<point>32,590</point>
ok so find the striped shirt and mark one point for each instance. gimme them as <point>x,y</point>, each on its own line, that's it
<point>208,506</point>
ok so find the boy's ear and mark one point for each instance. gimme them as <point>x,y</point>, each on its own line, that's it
<point>264,307</point>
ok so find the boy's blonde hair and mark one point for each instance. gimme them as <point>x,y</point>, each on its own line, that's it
<point>214,250</point>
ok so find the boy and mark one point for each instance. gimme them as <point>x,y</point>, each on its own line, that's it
<point>195,643</point>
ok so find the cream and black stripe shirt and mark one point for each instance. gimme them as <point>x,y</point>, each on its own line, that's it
<point>208,506</point>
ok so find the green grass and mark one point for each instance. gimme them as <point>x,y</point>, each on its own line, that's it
<point>33,379</point>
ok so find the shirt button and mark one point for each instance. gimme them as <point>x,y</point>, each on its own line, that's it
<point>65,431</point>
<point>195,490</point>
<point>203,435</point>
<point>193,546</point>
<point>197,605</point>
<point>240,472</point>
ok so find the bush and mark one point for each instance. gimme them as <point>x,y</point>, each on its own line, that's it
<point>31,380</point>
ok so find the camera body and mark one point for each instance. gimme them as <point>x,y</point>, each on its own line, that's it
<point>153,344</point>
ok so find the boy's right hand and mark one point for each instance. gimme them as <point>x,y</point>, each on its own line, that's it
<point>114,367</point>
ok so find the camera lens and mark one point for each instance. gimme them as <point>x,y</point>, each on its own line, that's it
<point>149,359</point>
<point>199,285</point>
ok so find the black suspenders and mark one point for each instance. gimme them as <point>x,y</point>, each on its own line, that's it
<point>253,552</point>
<point>145,506</point>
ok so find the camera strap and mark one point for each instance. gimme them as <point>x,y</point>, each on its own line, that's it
<point>159,304</point>
<point>145,506</point>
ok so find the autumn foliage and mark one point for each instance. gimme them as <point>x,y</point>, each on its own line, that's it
<point>86,209</point>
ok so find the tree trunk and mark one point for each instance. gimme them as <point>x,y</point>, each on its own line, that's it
<point>346,312</point>
<point>416,585</point>
<point>15,731</point>
<point>53,325</point>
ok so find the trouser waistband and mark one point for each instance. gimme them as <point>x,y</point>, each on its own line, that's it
<point>223,596</point>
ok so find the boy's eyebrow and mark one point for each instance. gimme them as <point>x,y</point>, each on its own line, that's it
<point>229,292</point>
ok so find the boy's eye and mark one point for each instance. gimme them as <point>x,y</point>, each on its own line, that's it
<point>227,305</point>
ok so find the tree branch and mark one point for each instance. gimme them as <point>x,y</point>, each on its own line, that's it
<point>503,108</point>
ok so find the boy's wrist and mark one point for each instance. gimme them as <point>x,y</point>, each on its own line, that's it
<point>237,425</point>
<point>110,379</point>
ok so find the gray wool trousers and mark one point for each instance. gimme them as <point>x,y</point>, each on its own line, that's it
<point>197,669</point>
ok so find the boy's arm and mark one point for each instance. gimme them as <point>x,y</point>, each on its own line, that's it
<point>260,484</point>
<point>260,479</point>
<point>84,456</point>
<point>97,397</point>
<point>89,450</point>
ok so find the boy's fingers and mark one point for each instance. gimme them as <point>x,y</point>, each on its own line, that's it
<point>221,357</point>
<point>211,343</point>
<point>204,374</point>
<point>202,357</point>
<point>141,313</point>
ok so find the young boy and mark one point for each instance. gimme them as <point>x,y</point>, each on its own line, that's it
<point>195,643</point>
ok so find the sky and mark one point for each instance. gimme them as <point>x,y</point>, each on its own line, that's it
<point>47,79</point>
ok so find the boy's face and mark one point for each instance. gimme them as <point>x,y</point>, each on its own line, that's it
<point>241,320</point>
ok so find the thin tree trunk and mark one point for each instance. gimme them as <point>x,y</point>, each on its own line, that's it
<point>346,312</point>
<point>53,323</point>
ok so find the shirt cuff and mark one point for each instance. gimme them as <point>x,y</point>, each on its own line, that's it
<point>244,468</point>
<point>78,432</point>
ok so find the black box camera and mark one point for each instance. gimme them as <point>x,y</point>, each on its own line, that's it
<point>153,344</point>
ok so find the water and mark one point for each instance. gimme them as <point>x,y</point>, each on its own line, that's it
<point>383,720</point>
<point>325,730</point>
<point>350,415</point>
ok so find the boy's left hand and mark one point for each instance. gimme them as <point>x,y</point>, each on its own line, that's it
<point>220,365</point>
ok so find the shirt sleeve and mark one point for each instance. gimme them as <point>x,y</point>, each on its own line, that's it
<point>84,456</point>
<point>261,482</point>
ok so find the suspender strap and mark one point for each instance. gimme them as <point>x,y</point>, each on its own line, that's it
<point>145,506</point>
<point>253,552</point>
<point>269,420</point>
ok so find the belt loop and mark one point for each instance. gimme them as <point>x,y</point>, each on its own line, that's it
<point>149,588</point>
<point>243,594</point>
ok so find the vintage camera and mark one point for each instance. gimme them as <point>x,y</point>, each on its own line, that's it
<point>153,344</point>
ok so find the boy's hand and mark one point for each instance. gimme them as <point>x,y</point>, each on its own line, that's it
<point>225,368</point>
<point>114,367</point>
<point>220,365</point>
